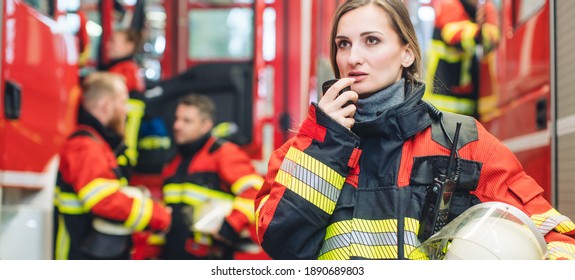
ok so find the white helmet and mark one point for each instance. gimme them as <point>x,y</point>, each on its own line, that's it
<point>487,231</point>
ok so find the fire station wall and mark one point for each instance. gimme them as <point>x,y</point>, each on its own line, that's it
<point>565,67</point>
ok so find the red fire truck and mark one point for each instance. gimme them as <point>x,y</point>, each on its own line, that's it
<point>527,99</point>
<point>38,98</point>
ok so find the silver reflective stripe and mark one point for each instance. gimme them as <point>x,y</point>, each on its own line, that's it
<point>362,238</point>
<point>338,241</point>
<point>68,203</point>
<point>410,238</point>
<point>311,179</point>
<point>374,239</point>
<point>551,222</point>
<point>96,190</point>
<point>195,195</point>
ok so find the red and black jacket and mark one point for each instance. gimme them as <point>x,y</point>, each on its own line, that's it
<point>88,186</point>
<point>209,169</point>
<point>452,58</point>
<point>130,70</point>
<point>332,193</point>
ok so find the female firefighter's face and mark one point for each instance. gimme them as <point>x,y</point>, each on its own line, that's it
<point>369,50</point>
<point>190,124</point>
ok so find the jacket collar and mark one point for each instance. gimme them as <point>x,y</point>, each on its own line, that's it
<point>403,120</point>
<point>112,63</point>
<point>114,140</point>
<point>191,148</point>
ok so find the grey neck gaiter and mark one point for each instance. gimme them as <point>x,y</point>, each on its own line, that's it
<point>371,107</point>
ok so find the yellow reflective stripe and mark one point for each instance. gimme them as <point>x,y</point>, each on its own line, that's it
<point>192,194</point>
<point>311,179</point>
<point>337,241</point>
<point>375,226</point>
<point>465,78</point>
<point>451,29</point>
<point>440,51</point>
<point>466,28</point>
<point>410,241</point>
<point>468,37</point>
<point>374,252</point>
<point>62,246</point>
<point>156,239</point>
<point>560,250</point>
<point>338,228</point>
<point>416,255</point>
<point>306,191</point>
<point>140,214</point>
<point>202,238</point>
<point>336,254</point>
<point>85,55</point>
<point>445,52</point>
<point>97,190</point>
<point>246,206</point>
<point>122,160</point>
<point>552,219</point>
<point>374,239</point>
<point>134,117</point>
<point>490,34</point>
<point>68,203</point>
<point>316,166</point>
<point>154,142</point>
<point>451,103</point>
<point>262,202</point>
<point>411,225</point>
<point>173,193</point>
<point>365,238</point>
<point>433,61</point>
<point>246,182</point>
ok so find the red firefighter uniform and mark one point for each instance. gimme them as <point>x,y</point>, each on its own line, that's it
<point>452,59</point>
<point>146,244</point>
<point>207,172</point>
<point>90,188</point>
<point>332,193</point>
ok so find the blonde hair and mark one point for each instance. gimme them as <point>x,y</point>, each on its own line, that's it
<point>400,23</point>
<point>99,84</point>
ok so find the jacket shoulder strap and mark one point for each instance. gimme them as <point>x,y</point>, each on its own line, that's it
<point>467,134</point>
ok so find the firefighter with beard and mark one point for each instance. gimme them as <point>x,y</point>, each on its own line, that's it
<point>121,49</point>
<point>95,210</point>
<point>144,147</point>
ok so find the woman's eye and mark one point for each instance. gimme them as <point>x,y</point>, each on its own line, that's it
<point>342,44</point>
<point>372,40</point>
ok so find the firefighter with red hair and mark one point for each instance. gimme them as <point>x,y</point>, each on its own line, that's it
<point>96,212</point>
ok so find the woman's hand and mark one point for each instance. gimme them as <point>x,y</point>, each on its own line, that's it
<point>334,105</point>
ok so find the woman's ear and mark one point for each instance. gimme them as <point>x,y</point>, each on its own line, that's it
<point>408,57</point>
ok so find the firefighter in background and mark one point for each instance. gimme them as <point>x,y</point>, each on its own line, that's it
<point>95,215</point>
<point>210,185</point>
<point>121,49</point>
<point>465,31</point>
<point>84,44</point>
